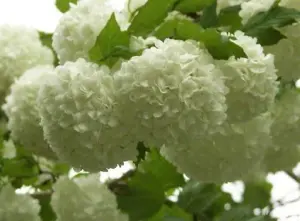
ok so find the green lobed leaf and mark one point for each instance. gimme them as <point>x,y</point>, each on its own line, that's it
<point>220,47</point>
<point>258,194</point>
<point>264,24</point>
<point>150,15</point>
<point>171,213</point>
<point>64,5</point>
<point>142,197</point>
<point>46,39</point>
<point>229,17</point>
<point>111,44</point>
<point>209,17</point>
<point>203,199</point>
<point>190,6</point>
<point>23,167</point>
<point>164,171</point>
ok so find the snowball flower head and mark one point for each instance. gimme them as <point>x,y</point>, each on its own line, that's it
<point>77,30</point>
<point>285,152</point>
<point>85,198</point>
<point>22,111</point>
<point>173,87</point>
<point>251,80</point>
<point>225,156</point>
<point>20,49</point>
<point>17,207</point>
<point>290,4</point>
<point>253,7</point>
<point>77,114</point>
<point>287,53</point>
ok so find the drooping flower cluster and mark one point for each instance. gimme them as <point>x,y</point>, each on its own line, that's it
<point>17,207</point>
<point>88,199</point>
<point>225,156</point>
<point>285,152</point>
<point>77,109</point>
<point>22,111</point>
<point>20,49</point>
<point>78,29</point>
<point>171,88</point>
<point>287,53</point>
<point>251,80</point>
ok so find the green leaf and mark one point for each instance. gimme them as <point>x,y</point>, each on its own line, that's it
<point>46,212</point>
<point>220,47</point>
<point>64,5</point>
<point>61,169</point>
<point>209,16</point>
<point>264,24</point>
<point>23,168</point>
<point>203,199</point>
<point>150,15</point>
<point>257,195</point>
<point>142,198</point>
<point>46,39</point>
<point>237,214</point>
<point>230,17</point>
<point>111,44</point>
<point>172,213</point>
<point>191,6</point>
<point>164,171</point>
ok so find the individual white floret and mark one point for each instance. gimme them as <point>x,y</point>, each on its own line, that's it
<point>15,207</point>
<point>77,110</point>
<point>85,198</point>
<point>171,88</point>
<point>223,157</point>
<point>22,111</point>
<point>285,152</point>
<point>251,80</point>
<point>287,53</point>
<point>253,7</point>
<point>20,49</point>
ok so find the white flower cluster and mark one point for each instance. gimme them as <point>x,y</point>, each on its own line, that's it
<point>88,199</point>
<point>225,156</point>
<point>252,80</point>
<point>22,111</point>
<point>290,4</point>
<point>15,207</point>
<point>253,7</point>
<point>20,49</point>
<point>287,53</point>
<point>285,152</point>
<point>78,29</point>
<point>171,88</point>
<point>77,109</point>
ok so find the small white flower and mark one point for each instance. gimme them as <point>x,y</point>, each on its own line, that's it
<point>9,150</point>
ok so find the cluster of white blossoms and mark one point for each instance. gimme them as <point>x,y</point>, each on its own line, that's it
<point>17,207</point>
<point>20,49</point>
<point>78,29</point>
<point>87,199</point>
<point>226,156</point>
<point>253,7</point>
<point>80,123</point>
<point>22,111</point>
<point>285,150</point>
<point>171,88</point>
<point>251,80</point>
<point>287,53</point>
